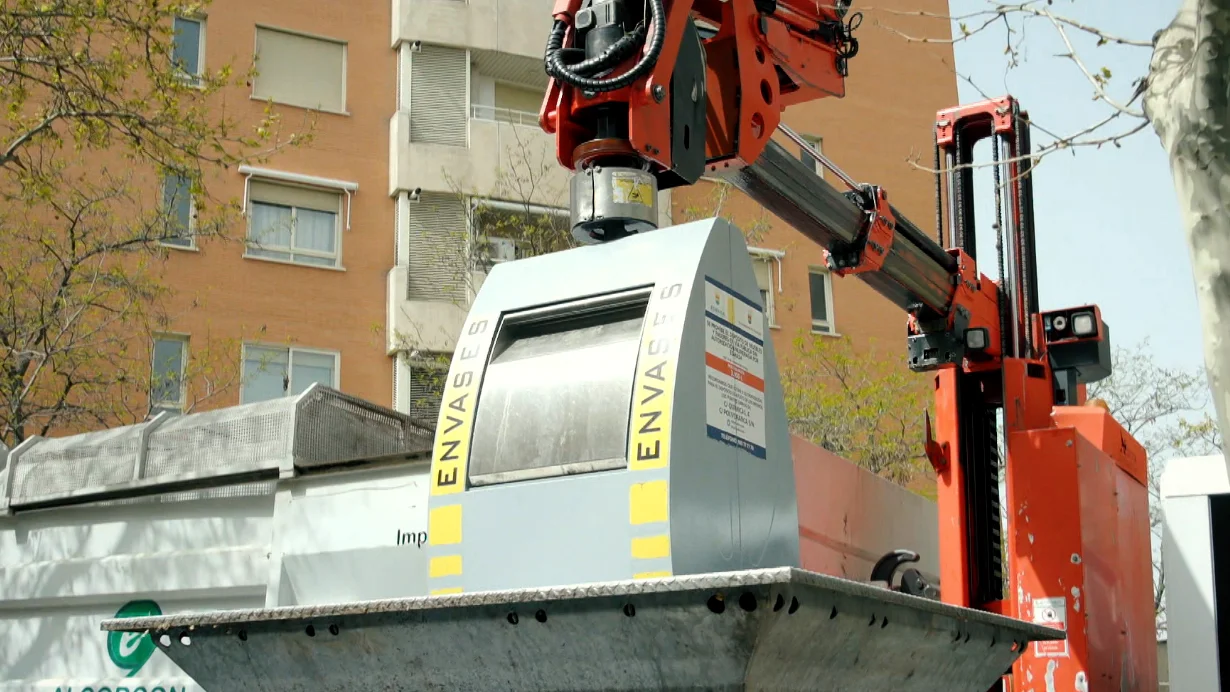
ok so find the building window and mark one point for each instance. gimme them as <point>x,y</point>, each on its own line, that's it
<point>294,224</point>
<point>299,70</point>
<point>426,392</point>
<point>817,143</point>
<point>821,285</point>
<point>505,102</point>
<point>188,48</point>
<point>505,231</point>
<point>167,391</point>
<point>763,268</point>
<point>271,372</point>
<point>180,210</point>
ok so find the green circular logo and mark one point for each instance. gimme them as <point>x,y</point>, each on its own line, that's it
<point>130,650</point>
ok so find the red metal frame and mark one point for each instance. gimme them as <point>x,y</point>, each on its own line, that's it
<point>1078,515</point>
<point>745,54</point>
<point>1076,482</point>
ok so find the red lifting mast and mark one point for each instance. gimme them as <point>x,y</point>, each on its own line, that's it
<point>650,96</point>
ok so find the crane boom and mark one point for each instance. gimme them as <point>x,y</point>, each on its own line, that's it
<point>635,91</point>
<point>703,98</point>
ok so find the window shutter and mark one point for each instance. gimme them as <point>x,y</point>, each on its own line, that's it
<point>300,70</point>
<point>399,385</point>
<point>438,95</point>
<point>437,262</point>
<point>426,392</point>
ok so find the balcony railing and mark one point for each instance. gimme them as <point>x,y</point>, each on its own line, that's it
<point>504,115</point>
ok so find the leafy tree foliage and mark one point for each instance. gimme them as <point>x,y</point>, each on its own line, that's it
<point>1167,410</point>
<point>95,111</point>
<point>858,403</point>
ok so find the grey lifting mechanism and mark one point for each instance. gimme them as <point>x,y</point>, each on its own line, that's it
<point>612,202</point>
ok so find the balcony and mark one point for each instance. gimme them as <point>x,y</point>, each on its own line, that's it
<point>502,142</point>
<point>426,325</point>
<point>518,27</point>
<point>504,115</point>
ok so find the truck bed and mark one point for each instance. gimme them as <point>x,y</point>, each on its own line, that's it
<point>772,629</point>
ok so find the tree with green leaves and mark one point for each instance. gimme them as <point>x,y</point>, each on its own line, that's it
<point>106,139</point>
<point>860,404</point>
<point>1167,410</point>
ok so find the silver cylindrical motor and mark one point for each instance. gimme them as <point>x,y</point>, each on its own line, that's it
<point>611,202</point>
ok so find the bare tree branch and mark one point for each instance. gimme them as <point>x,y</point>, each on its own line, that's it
<point>94,114</point>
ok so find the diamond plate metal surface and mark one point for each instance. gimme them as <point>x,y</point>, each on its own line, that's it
<point>776,629</point>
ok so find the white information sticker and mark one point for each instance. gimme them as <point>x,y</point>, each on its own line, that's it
<point>734,373</point>
<point>1051,612</point>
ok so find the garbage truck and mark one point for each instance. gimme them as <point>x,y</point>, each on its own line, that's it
<point>612,502</point>
<point>241,508</point>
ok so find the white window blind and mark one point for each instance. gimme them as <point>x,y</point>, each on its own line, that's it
<point>300,70</point>
<point>294,224</point>
<point>764,281</point>
<point>438,94</point>
<point>821,290</point>
<point>438,265</point>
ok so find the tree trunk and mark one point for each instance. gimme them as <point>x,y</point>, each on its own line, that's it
<point>1187,99</point>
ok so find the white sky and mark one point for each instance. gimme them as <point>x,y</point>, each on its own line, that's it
<point>1107,219</point>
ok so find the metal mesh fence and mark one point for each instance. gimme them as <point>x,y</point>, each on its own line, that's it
<point>333,426</point>
<point>317,428</point>
<point>248,437</point>
<point>62,465</point>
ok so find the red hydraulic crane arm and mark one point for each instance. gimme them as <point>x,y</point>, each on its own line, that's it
<point>662,92</point>
<point>654,94</point>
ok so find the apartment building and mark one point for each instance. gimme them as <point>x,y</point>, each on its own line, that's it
<point>295,296</point>
<point>359,270</point>
<point>465,137</point>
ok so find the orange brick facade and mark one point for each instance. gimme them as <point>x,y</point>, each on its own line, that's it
<point>894,90</point>
<point>284,304</point>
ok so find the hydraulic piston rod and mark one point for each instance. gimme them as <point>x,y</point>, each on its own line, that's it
<point>915,271</point>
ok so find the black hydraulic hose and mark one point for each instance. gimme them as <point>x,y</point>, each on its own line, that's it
<point>577,75</point>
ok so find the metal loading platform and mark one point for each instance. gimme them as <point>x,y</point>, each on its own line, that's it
<point>772,629</point>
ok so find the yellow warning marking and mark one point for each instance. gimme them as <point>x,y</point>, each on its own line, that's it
<point>451,457</point>
<point>446,566</point>
<point>446,591</point>
<point>631,189</point>
<point>651,547</point>
<point>653,390</point>
<point>648,502</point>
<point>651,575</point>
<point>444,525</point>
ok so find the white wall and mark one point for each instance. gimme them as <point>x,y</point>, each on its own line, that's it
<point>333,538</point>
<point>336,537</point>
